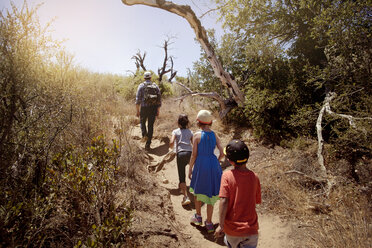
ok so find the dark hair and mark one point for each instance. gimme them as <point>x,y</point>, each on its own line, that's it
<point>183,121</point>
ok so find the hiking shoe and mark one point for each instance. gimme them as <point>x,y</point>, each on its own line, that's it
<point>147,147</point>
<point>196,220</point>
<point>209,227</point>
<point>185,201</point>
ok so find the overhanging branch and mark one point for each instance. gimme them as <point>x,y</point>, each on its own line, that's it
<point>201,35</point>
<point>224,109</point>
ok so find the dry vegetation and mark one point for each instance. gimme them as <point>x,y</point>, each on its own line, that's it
<point>292,189</point>
<point>340,219</point>
<point>72,175</point>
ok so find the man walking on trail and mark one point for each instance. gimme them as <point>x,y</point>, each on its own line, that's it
<point>148,102</point>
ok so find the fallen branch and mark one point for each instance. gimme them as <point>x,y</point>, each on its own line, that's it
<point>166,159</point>
<point>319,130</point>
<point>349,117</point>
<point>314,179</point>
<point>327,180</point>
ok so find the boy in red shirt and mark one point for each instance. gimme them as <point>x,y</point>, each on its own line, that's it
<point>240,191</point>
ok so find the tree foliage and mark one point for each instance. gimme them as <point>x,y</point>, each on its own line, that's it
<point>286,55</point>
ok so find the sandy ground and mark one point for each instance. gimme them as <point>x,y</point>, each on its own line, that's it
<point>273,232</point>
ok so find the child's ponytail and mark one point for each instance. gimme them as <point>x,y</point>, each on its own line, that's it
<point>183,121</point>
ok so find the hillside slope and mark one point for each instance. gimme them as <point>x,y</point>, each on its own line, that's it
<point>161,220</point>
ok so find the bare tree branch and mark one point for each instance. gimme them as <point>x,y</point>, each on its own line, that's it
<point>139,60</point>
<point>133,73</point>
<point>224,108</point>
<point>186,12</point>
<point>172,72</point>
<point>164,69</point>
<point>349,117</point>
<point>319,130</point>
<point>184,86</point>
<point>315,179</point>
<point>211,10</point>
<point>326,108</point>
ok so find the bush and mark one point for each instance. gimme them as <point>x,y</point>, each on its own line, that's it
<point>129,85</point>
<point>85,184</point>
<point>57,187</point>
<point>75,205</point>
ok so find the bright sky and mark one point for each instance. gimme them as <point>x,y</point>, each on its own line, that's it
<point>103,35</point>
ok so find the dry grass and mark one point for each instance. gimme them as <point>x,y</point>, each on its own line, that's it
<point>348,224</point>
<point>343,219</point>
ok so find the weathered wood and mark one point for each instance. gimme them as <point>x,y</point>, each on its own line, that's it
<point>319,131</point>
<point>326,108</point>
<point>139,60</point>
<point>166,68</point>
<point>314,179</point>
<point>223,108</point>
<point>201,35</point>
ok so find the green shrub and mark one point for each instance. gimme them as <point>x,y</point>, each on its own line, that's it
<point>166,89</point>
<point>86,184</point>
<point>75,205</point>
<point>50,194</point>
<point>128,87</point>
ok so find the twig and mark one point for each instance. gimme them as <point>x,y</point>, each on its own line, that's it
<point>319,180</point>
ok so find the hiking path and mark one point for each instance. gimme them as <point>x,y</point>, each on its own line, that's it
<point>274,232</point>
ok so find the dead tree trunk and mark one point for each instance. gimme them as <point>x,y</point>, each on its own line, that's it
<point>166,68</point>
<point>186,12</point>
<point>319,130</point>
<point>327,109</point>
<point>140,59</point>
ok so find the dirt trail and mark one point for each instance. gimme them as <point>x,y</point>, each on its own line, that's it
<point>273,231</point>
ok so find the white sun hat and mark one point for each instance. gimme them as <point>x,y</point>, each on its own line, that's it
<point>204,117</point>
<point>147,75</point>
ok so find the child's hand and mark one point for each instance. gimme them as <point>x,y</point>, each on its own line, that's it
<point>190,174</point>
<point>219,232</point>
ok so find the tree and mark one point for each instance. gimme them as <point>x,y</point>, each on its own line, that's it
<point>56,190</point>
<point>304,50</point>
<point>347,77</point>
<point>140,59</point>
<point>167,66</point>
<point>28,93</point>
<point>201,35</point>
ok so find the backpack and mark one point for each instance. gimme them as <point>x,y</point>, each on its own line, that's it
<point>150,95</point>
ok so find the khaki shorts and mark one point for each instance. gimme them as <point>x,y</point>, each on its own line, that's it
<point>241,242</point>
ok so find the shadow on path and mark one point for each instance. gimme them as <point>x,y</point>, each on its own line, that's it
<point>210,236</point>
<point>160,150</point>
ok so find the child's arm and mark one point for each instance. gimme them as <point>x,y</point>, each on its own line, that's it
<point>222,214</point>
<point>218,143</point>
<point>195,142</point>
<point>171,142</point>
